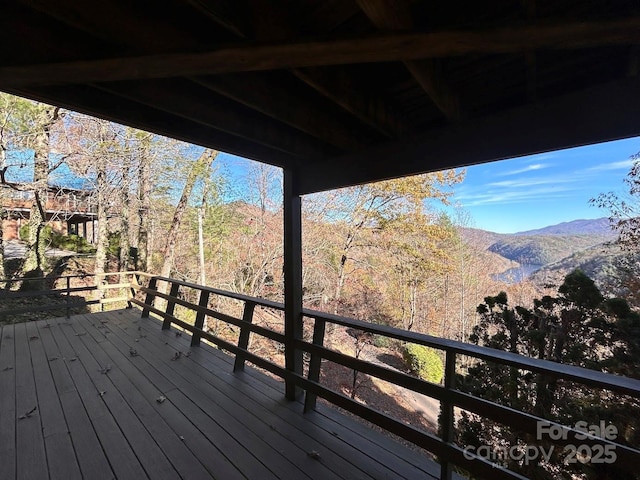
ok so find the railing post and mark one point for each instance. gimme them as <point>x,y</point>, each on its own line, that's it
<point>243,338</point>
<point>447,416</point>
<point>200,317</point>
<point>315,363</point>
<point>171,305</point>
<point>150,296</point>
<point>133,282</point>
<point>68,297</point>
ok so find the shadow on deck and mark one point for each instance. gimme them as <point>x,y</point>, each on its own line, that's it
<point>117,397</point>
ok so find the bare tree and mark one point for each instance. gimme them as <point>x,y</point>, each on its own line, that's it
<point>199,167</point>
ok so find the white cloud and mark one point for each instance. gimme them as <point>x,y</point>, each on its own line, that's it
<point>602,167</point>
<point>508,196</point>
<point>529,168</point>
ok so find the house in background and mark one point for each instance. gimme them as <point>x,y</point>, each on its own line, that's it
<point>68,203</point>
<point>68,211</point>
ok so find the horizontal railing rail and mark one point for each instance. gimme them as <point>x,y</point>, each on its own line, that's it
<point>146,294</point>
<point>66,302</point>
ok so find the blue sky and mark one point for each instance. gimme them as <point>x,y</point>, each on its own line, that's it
<point>545,189</point>
<point>523,193</point>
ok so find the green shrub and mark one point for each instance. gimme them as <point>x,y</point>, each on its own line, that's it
<point>72,242</point>
<point>54,239</point>
<point>23,232</point>
<point>424,362</point>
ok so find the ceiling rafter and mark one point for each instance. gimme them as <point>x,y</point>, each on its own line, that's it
<point>215,112</point>
<point>277,23</point>
<point>344,91</point>
<point>230,120</point>
<point>272,99</point>
<point>395,15</point>
<point>339,51</point>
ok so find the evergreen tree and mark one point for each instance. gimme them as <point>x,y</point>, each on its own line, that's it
<point>577,327</point>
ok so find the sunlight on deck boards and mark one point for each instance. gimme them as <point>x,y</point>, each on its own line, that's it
<point>103,396</point>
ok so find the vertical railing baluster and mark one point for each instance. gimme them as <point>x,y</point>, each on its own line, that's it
<point>315,364</point>
<point>151,295</point>
<point>132,284</point>
<point>200,317</point>
<point>171,305</point>
<point>446,469</point>
<point>243,338</point>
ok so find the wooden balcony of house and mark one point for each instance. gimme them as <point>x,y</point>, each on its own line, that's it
<point>60,201</point>
<point>149,392</point>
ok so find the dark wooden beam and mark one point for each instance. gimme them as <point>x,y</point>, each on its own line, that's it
<point>604,113</point>
<point>342,89</point>
<point>365,49</point>
<point>199,105</point>
<point>97,103</point>
<point>396,15</point>
<point>273,98</point>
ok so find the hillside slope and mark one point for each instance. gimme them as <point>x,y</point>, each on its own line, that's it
<point>544,249</point>
<point>608,266</point>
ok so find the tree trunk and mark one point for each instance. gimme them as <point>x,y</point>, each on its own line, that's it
<point>3,272</point>
<point>201,214</point>
<point>144,208</point>
<point>125,245</point>
<point>103,233</point>
<point>3,212</point>
<point>35,261</point>
<point>201,165</point>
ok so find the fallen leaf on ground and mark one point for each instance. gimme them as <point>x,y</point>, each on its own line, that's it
<point>106,369</point>
<point>28,414</point>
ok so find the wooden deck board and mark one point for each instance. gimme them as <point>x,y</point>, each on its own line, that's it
<point>246,440</point>
<point>30,448</point>
<point>121,459</point>
<point>213,423</point>
<point>379,456</point>
<point>91,458</point>
<point>7,403</point>
<point>61,458</point>
<point>281,420</point>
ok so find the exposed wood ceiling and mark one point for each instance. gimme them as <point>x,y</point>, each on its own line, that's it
<point>339,91</point>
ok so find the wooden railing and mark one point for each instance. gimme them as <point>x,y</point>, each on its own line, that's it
<point>145,294</point>
<point>442,446</point>
<point>52,296</point>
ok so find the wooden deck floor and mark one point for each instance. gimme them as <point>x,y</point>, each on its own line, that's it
<point>97,414</point>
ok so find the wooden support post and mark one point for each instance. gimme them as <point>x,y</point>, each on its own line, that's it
<point>447,412</point>
<point>171,305</point>
<point>315,364</point>
<point>292,279</point>
<point>243,338</point>
<point>200,317</point>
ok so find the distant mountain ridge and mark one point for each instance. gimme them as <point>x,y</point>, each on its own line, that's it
<point>544,249</point>
<point>598,226</point>
<point>548,254</point>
